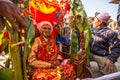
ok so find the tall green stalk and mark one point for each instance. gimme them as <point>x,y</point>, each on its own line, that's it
<point>14,52</point>
<point>29,35</point>
<point>15,56</point>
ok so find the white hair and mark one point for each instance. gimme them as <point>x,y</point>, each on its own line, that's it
<point>39,25</point>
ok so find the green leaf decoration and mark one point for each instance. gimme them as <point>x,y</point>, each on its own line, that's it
<point>5,46</point>
<point>81,22</point>
<point>16,56</point>
<point>3,42</point>
<point>6,74</point>
<point>74,46</point>
<point>29,32</point>
<point>15,52</point>
<point>29,36</point>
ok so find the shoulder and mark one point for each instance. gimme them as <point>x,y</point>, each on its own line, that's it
<point>37,40</point>
<point>110,31</point>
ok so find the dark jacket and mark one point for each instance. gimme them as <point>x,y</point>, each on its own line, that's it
<point>105,43</point>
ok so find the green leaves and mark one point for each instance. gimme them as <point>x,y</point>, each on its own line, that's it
<point>6,74</point>
<point>29,32</point>
<point>74,46</point>
<point>81,24</point>
<point>29,36</point>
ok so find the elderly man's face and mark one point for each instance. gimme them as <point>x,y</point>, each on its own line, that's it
<point>46,30</point>
<point>96,23</point>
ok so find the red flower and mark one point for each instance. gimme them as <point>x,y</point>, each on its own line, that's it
<point>6,35</point>
<point>1,48</point>
<point>69,72</point>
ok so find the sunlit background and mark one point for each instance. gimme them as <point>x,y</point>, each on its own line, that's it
<point>92,6</point>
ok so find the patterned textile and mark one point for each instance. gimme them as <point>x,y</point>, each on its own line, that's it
<point>64,72</point>
<point>46,75</point>
<point>47,50</point>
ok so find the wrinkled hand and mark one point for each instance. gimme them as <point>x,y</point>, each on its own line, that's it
<point>12,12</point>
<point>55,64</point>
<point>109,66</point>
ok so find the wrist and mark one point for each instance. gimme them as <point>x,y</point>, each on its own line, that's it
<point>110,61</point>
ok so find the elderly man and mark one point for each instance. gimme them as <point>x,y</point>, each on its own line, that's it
<point>105,45</point>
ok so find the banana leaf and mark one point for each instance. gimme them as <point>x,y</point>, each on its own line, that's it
<point>16,56</point>
<point>81,23</point>
<point>29,36</point>
<point>15,53</point>
<point>6,74</point>
<point>74,46</point>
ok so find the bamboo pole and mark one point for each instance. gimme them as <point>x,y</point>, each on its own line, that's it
<point>15,52</point>
<point>16,57</point>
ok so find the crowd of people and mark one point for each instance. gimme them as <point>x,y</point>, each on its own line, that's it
<point>45,55</point>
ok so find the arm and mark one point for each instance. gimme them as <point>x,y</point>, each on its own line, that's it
<point>115,47</point>
<point>32,59</point>
<point>113,55</point>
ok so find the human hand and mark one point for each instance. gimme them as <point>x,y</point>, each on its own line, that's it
<point>12,12</point>
<point>55,64</point>
<point>109,66</point>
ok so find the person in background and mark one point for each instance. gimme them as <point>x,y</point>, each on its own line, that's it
<point>105,45</point>
<point>11,12</point>
<point>90,20</point>
<point>112,24</point>
<point>57,34</point>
